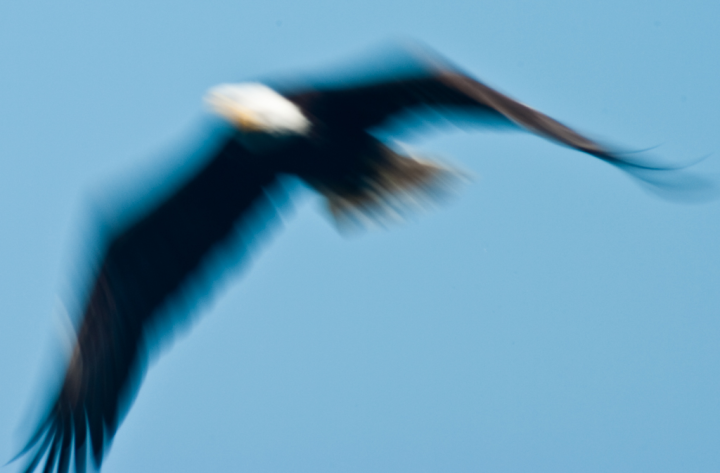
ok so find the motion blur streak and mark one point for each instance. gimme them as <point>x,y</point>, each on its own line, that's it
<point>161,261</point>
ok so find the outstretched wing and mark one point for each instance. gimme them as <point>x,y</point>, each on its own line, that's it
<point>144,267</point>
<point>367,106</point>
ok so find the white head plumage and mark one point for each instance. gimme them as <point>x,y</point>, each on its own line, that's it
<point>256,108</point>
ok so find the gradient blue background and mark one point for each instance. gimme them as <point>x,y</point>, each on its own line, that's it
<point>555,317</point>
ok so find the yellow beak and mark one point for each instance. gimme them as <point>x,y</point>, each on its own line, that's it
<point>246,120</point>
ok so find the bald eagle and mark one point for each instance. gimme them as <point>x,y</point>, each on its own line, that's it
<point>321,135</point>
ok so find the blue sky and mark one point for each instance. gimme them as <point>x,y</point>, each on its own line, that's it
<point>553,317</point>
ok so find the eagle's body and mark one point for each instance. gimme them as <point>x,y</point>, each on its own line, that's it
<point>322,136</point>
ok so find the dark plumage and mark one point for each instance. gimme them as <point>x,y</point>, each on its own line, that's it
<point>154,258</point>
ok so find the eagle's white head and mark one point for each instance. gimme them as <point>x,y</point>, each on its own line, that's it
<point>256,108</point>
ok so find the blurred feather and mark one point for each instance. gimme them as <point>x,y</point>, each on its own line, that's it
<point>167,253</point>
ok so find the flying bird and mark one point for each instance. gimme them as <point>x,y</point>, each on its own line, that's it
<point>322,135</point>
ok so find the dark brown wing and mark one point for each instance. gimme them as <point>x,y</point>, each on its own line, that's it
<point>145,267</point>
<point>367,106</point>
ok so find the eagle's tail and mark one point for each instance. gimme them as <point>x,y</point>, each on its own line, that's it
<point>398,186</point>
